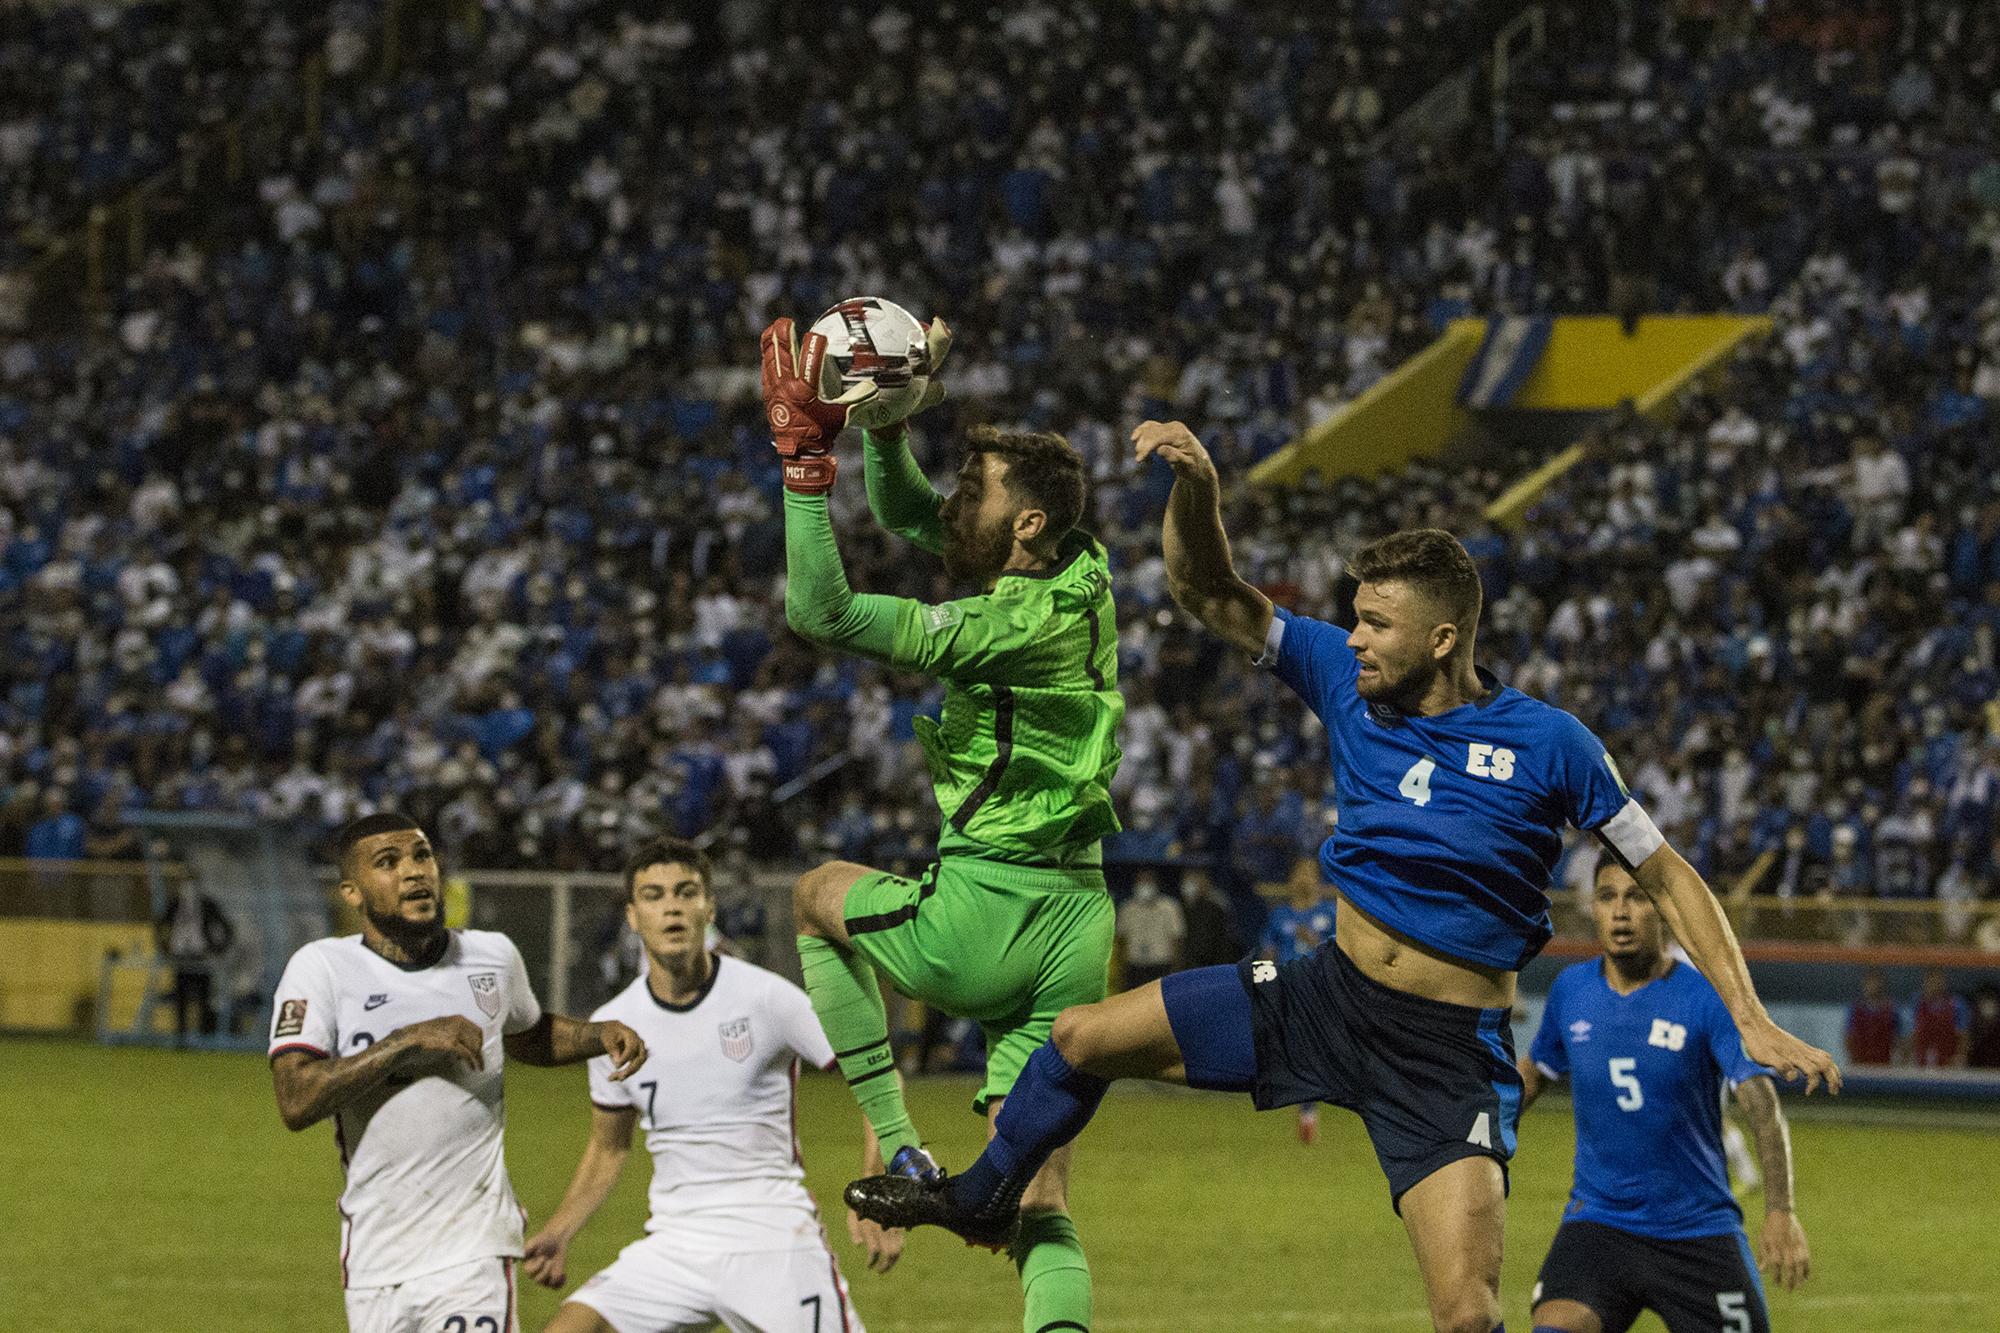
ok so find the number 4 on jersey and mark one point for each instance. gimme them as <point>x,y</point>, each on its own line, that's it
<point>1416,784</point>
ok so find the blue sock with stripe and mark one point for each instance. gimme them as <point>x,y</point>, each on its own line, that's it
<point>1047,1107</point>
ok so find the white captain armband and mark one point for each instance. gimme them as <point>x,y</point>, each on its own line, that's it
<point>1630,835</point>
<point>1274,639</point>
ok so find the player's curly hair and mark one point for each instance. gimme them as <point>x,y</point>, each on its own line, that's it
<point>668,852</point>
<point>1431,561</point>
<point>1043,470</point>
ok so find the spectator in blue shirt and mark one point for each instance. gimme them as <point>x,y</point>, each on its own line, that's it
<point>58,835</point>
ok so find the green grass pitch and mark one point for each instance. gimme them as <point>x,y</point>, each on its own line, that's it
<point>149,1190</point>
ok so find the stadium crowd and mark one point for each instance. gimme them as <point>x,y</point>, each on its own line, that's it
<point>96,97</point>
<point>440,482</point>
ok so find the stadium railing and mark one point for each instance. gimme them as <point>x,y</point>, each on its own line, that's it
<point>569,926</point>
<point>61,920</point>
<point>1804,928</point>
<point>1449,106</point>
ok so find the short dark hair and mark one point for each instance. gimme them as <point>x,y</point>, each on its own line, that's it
<point>1043,469</point>
<point>357,831</point>
<point>666,852</point>
<point>1431,561</point>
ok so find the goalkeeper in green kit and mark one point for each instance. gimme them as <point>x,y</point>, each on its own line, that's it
<point>1012,924</point>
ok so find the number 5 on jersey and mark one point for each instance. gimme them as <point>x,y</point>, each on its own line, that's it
<point>1633,1097</point>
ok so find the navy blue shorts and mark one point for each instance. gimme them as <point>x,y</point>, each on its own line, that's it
<point>1432,1082</point>
<point>1704,1284</point>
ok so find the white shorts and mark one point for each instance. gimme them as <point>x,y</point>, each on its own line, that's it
<point>658,1286</point>
<point>477,1297</point>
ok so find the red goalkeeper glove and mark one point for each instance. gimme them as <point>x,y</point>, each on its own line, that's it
<point>803,424</point>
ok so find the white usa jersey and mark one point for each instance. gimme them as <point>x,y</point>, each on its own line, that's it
<point>427,1183</point>
<point>715,1099</point>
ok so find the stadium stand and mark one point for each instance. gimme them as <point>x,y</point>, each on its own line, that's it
<point>94,98</point>
<point>424,467</point>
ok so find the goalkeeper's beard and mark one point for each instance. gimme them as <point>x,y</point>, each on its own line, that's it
<point>977,556</point>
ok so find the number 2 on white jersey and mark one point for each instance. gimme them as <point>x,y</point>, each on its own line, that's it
<point>1416,784</point>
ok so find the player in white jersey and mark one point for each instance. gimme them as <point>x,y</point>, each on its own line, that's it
<point>734,1238</point>
<point>400,1033</point>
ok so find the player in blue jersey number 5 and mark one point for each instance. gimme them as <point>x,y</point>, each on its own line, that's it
<point>1651,1225</point>
<point>1453,790</point>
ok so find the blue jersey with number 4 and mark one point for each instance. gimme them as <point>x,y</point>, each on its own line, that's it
<point>1646,1072</point>
<point>1450,826</point>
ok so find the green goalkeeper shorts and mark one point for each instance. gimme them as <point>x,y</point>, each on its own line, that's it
<point>1007,946</point>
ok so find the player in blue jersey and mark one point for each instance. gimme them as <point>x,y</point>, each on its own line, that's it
<point>1647,1046</point>
<point>1293,929</point>
<point>1452,790</point>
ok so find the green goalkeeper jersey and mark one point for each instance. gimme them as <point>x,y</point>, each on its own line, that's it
<point>1023,755</point>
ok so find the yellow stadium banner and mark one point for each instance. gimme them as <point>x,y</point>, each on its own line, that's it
<point>1412,412</point>
<point>1592,364</point>
<point>1589,363</point>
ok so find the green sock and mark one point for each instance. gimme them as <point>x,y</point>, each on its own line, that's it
<point>1055,1277</point>
<point>849,1004</point>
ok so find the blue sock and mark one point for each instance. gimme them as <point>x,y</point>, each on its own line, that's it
<point>1047,1107</point>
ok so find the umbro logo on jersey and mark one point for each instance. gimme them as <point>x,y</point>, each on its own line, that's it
<point>736,1039</point>
<point>486,991</point>
<point>376,1002</point>
<point>1580,1030</point>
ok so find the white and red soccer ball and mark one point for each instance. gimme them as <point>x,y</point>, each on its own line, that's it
<point>868,338</point>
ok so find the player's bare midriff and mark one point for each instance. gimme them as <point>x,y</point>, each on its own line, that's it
<point>1400,963</point>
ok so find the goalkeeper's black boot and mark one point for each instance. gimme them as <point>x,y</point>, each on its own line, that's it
<point>898,1201</point>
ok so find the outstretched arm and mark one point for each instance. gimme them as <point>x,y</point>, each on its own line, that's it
<point>559,1040</point>
<point>899,494</point>
<point>1696,919</point>
<point>546,1255</point>
<point>819,602</point>
<point>957,639</point>
<point>1782,1243</point>
<point>1200,573</point>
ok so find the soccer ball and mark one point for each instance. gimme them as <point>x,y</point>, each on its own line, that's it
<point>868,338</point>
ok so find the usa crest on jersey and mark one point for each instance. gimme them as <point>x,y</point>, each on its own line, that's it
<point>736,1039</point>
<point>486,992</point>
